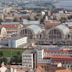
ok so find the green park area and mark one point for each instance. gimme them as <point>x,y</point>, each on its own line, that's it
<point>11,55</point>
<point>7,52</point>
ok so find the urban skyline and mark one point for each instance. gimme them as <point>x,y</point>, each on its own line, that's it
<point>36,36</point>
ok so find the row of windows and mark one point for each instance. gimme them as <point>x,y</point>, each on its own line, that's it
<point>55,34</point>
<point>27,65</point>
<point>55,53</point>
<point>67,65</point>
<point>43,61</point>
<point>27,55</point>
<point>27,61</point>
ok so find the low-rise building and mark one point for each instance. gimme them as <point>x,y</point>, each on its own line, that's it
<point>11,26</point>
<point>14,42</point>
<point>29,59</point>
<point>62,56</point>
<point>17,42</point>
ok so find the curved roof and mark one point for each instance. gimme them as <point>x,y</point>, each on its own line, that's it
<point>35,28</point>
<point>63,28</point>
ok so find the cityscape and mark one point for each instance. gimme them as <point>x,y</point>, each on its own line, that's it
<point>35,36</point>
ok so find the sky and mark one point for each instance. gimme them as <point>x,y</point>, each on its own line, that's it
<point>64,3</point>
<point>58,3</point>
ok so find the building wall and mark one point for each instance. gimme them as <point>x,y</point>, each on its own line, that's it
<point>27,60</point>
<point>40,59</point>
<point>17,43</point>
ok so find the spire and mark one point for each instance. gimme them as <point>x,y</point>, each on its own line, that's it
<point>46,18</point>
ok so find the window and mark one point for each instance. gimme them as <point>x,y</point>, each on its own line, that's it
<point>55,34</point>
<point>26,32</point>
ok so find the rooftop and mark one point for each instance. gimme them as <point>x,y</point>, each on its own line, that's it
<point>35,28</point>
<point>8,26</point>
<point>3,23</point>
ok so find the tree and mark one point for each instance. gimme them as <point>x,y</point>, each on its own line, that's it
<point>16,59</point>
<point>12,60</point>
<point>1,54</point>
<point>1,21</point>
<point>4,59</point>
<point>15,20</point>
<point>19,57</point>
<point>63,19</point>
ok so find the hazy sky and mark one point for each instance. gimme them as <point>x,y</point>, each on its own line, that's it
<point>58,4</point>
<point>64,3</point>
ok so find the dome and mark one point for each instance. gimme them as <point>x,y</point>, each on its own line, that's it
<point>64,29</point>
<point>59,32</point>
<point>35,28</point>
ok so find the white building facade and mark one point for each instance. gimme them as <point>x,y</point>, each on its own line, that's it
<point>18,42</point>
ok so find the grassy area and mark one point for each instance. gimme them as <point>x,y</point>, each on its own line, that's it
<point>10,52</point>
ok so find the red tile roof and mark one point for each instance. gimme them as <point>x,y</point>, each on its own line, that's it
<point>59,57</point>
<point>57,50</point>
<point>8,26</point>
